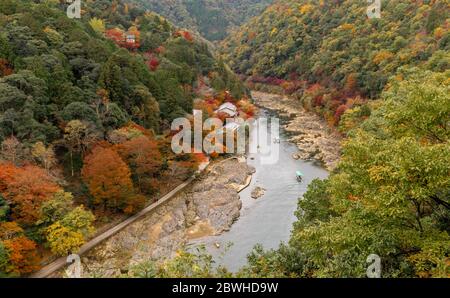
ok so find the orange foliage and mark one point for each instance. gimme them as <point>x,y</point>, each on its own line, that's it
<point>22,255</point>
<point>129,40</point>
<point>7,173</point>
<point>5,68</point>
<point>108,177</point>
<point>9,230</point>
<point>200,157</point>
<point>314,88</point>
<point>353,198</point>
<point>351,82</point>
<point>188,161</point>
<point>205,107</point>
<point>134,203</point>
<point>26,189</point>
<point>117,35</point>
<point>382,56</point>
<point>143,157</point>
<point>247,108</point>
<point>339,112</point>
<point>185,34</point>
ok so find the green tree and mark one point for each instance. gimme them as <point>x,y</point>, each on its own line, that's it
<point>4,260</point>
<point>56,208</point>
<point>4,209</point>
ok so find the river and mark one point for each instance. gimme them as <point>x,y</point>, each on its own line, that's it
<point>267,220</point>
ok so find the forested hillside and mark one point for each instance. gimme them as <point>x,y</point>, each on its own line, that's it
<point>214,19</point>
<point>390,195</point>
<point>85,108</point>
<point>331,55</point>
<point>385,82</point>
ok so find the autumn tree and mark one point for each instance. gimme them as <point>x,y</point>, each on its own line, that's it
<point>117,35</point>
<point>62,240</point>
<point>66,228</point>
<point>61,208</point>
<point>20,256</point>
<point>107,177</point>
<point>26,189</point>
<point>98,25</point>
<point>23,256</point>
<point>5,68</point>
<point>79,220</point>
<point>44,155</point>
<point>143,157</point>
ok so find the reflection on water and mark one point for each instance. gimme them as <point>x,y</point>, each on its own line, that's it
<point>267,220</point>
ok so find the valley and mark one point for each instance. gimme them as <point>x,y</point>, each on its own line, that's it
<point>102,161</point>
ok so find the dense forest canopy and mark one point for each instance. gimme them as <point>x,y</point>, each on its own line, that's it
<point>330,54</point>
<point>85,112</point>
<point>213,19</point>
<point>327,41</point>
<point>86,106</point>
<point>60,65</point>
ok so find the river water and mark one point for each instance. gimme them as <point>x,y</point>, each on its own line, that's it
<point>267,220</point>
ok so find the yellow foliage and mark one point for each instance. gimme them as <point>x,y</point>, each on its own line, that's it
<point>62,240</point>
<point>382,56</point>
<point>439,32</point>
<point>379,173</point>
<point>347,26</point>
<point>306,8</point>
<point>97,24</point>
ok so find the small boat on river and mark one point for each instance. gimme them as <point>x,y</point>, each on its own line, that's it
<point>299,176</point>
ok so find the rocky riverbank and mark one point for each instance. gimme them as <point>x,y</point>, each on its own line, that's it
<point>208,207</point>
<point>314,139</point>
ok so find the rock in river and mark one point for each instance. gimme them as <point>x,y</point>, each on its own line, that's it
<point>257,192</point>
